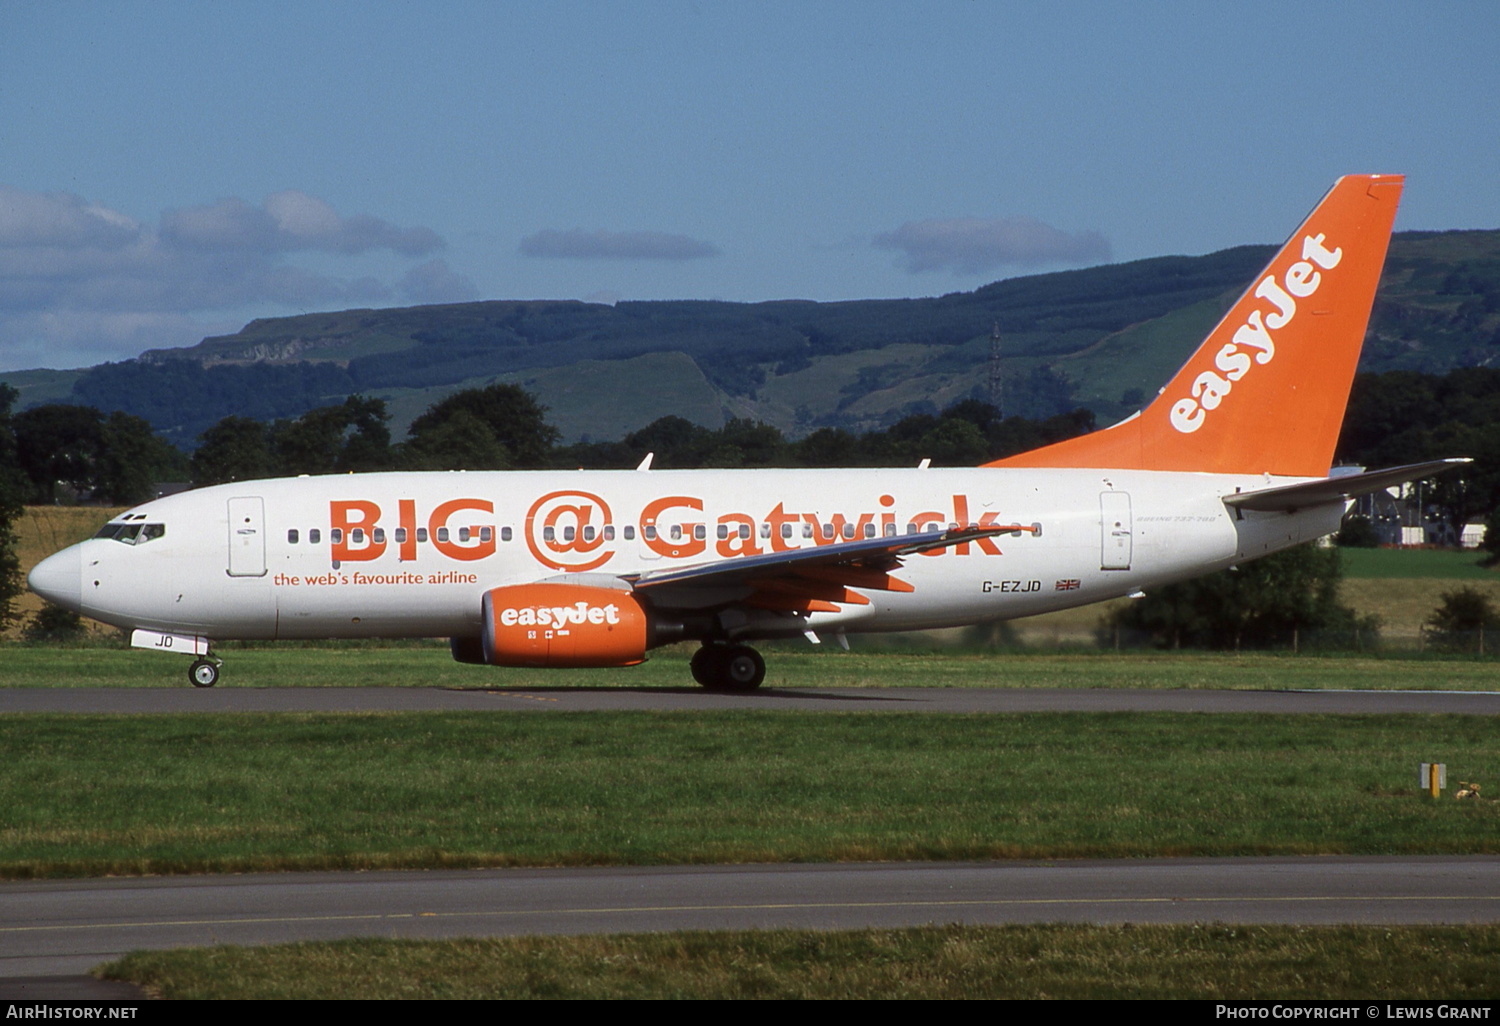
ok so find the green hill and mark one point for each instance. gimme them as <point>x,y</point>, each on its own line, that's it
<point>1104,337</point>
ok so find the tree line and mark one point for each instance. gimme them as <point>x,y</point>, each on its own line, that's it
<point>501,427</point>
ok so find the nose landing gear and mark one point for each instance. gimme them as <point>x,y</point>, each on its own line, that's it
<point>728,667</point>
<point>204,673</point>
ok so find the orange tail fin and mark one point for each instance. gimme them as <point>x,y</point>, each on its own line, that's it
<point>1266,391</point>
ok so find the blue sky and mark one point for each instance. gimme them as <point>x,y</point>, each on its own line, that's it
<point>171,170</point>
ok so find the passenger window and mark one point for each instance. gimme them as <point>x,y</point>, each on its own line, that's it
<point>699,532</point>
<point>651,532</point>
<point>379,535</point>
<point>676,531</point>
<point>357,536</point>
<point>314,536</point>
<point>549,534</point>
<point>463,534</point>
<point>400,536</point>
<point>723,531</point>
<point>422,534</point>
<point>442,534</point>
<point>629,533</point>
<point>486,533</point>
<point>336,535</point>
<point>869,530</point>
<point>291,536</point>
<point>588,533</point>
<point>505,534</point>
<point>609,532</point>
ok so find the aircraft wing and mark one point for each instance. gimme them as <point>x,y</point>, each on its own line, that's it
<point>815,579</point>
<point>1290,498</point>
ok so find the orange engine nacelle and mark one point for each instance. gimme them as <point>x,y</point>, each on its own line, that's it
<point>563,625</point>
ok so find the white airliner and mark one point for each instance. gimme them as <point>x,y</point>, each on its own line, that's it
<point>1231,461</point>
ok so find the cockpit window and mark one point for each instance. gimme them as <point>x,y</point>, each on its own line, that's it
<point>132,534</point>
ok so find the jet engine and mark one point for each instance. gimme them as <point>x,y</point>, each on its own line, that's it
<point>563,625</point>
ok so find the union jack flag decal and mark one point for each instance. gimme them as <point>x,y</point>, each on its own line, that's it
<point>1071,584</point>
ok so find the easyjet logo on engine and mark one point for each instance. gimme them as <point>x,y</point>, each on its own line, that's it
<point>1252,340</point>
<point>578,614</point>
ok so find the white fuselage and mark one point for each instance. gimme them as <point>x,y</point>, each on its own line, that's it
<point>412,554</point>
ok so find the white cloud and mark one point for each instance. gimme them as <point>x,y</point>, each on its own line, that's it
<point>78,280</point>
<point>48,219</point>
<point>436,282</point>
<point>974,245</point>
<point>291,221</point>
<point>578,244</point>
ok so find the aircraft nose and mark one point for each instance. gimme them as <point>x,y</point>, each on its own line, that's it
<point>59,578</point>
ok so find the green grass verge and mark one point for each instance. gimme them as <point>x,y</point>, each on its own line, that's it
<point>790,666</point>
<point>1199,962</point>
<point>84,795</point>
<point>1407,564</point>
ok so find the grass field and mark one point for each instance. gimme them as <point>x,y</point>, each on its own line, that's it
<point>1205,963</point>
<point>232,793</point>
<point>793,665</point>
<point>1411,564</point>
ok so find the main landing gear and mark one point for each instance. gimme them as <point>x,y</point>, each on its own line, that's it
<point>728,667</point>
<point>204,673</point>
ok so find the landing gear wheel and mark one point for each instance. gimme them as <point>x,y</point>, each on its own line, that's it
<point>741,669</point>
<point>705,665</point>
<point>728,667</point>
<point>203,674</point>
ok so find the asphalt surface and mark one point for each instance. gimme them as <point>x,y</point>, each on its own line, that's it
<point>910,700</point>
<point>56,928</point>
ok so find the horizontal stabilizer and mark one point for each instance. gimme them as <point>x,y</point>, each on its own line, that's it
<point>1290,498</point>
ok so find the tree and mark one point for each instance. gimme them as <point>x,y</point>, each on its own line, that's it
<point>1462,617</point>
<point>54,625</point>
<point>367,439</point>
<point>517,421</point>
<point>461,442</point>
<point>677,442</point>
<point>309,444</point>
<point>1259,604</point>
<point>334,439</point>
<point>234,449</point>
<point>1491,543</point>
<point>1357,533</point>
<point>12,492</point>
<point>58,446</point>
<point>132,460</point>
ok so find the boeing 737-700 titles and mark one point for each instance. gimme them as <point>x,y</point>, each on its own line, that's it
<point>1231,461</point>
